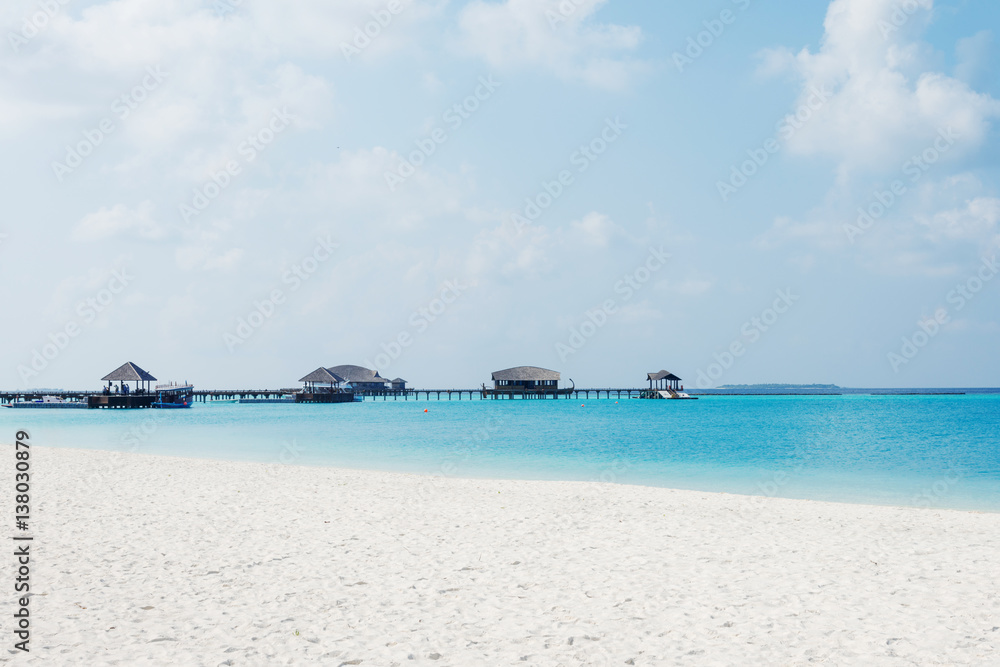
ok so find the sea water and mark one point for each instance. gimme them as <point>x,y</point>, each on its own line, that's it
<point>925,451</point>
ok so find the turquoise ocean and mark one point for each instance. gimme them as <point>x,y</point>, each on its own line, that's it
<point>924,451</point>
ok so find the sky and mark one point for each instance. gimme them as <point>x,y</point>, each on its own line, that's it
<point>234,193</point>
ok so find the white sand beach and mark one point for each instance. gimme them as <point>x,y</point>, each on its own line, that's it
<point>146,560</point>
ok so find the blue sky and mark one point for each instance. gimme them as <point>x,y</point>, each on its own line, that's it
<point>236,226</point>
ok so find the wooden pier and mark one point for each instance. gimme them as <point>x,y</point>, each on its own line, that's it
<point>120,401</point>
<point>209,395</point>
<point>489,393</point>
<point>31,396</point>
<point>325,397</point>
<point>298,396</point>
<point>345,384</point>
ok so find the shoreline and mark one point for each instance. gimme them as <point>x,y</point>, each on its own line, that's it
<point>146,559</point>
<point>469,476</point>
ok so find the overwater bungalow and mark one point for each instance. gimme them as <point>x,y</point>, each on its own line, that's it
<point>527,382</point>
<point>361,379</point>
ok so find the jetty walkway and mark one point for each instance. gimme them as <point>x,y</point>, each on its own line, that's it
<point>288,394</point>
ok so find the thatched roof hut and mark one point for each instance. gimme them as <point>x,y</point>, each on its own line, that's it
<point>663,380</point>
<point>359,376</point>
<point>321,376</point>
<point>526,376</point>
<point>128,372</point>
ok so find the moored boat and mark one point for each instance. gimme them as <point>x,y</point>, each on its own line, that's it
<point>46,402</point>
<point>174,395</point>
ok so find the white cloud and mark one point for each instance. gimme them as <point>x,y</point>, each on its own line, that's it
<point>686,286</point>
<point>976,56</point>
<point>639,313</point>
<point>117,221</point>
<point>817,230</point>
<point>71,290</point>
<point>558,36</point>
<point>224,74</point>
<point>508,250</point>
<point>18,113</point>
<point>885,103</point>
<point>321,27</point>
<point>204,258</point>
<point>356,182</point>
<point>934,231</point>
<point>977,222</point>
<point>594,229</point>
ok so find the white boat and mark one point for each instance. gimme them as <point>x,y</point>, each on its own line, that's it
<point>46,402</point>
<point>672,394</point>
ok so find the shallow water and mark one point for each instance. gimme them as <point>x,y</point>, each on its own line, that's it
<point>937,451</point>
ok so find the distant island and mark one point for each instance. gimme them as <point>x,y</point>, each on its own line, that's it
<point>778,386</point>
<point>777,389</point>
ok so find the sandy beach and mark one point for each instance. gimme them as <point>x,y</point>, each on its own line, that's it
<point>147,560</point>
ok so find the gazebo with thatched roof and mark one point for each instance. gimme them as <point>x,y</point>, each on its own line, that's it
<point>316,392</point>
<point>129,372</point>
<point>664,380</point>
<point>139,395</point>
<point>321,376</point>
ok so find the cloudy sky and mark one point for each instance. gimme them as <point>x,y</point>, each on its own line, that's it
<point>236,192</point>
